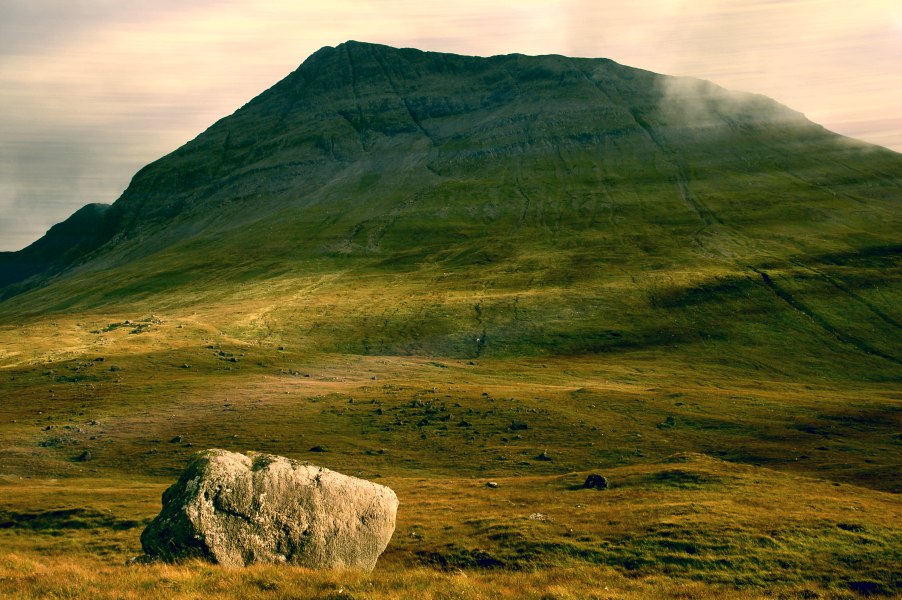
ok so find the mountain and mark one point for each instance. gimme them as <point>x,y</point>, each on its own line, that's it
<point>66,243</point>
<point>511,205</point>
<point>478,281</point>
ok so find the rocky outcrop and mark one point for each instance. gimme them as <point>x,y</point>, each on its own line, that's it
<point>236,510</point>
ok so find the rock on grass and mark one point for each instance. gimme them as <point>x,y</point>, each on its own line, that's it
<point>236,510</point>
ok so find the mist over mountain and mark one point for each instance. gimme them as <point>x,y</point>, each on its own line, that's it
<point>584,205</point>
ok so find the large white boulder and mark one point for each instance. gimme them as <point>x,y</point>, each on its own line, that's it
<point>236,510</point>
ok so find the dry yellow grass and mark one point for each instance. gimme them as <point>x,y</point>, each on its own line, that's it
<point>691,527</point>
<point>689,514</point>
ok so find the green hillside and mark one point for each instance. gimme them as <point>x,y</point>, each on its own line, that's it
<point>442,270</point>
<point>543,205</point>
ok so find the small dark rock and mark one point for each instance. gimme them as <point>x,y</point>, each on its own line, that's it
<point>464,424</point>
<point>491,484</point>
<point>318,449</point>
<point>115,368</point>
<point>518,426</point>
<point>84,456</point>
<point>543,456</point>
<point>176,440</point>
<point>667,423</point>
<point>596,482</point>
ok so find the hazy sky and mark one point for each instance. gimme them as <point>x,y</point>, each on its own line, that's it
<point>91,90</point>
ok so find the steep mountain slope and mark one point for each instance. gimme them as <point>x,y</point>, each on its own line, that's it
<point>439,204</point>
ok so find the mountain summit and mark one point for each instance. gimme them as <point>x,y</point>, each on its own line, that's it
<point>383,200</point>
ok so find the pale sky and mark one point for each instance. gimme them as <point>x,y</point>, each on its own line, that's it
<point>92,90</point>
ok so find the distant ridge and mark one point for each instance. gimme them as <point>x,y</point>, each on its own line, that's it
<point>64,244</point>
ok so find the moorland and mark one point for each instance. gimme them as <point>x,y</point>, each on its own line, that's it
<point>436,272</point>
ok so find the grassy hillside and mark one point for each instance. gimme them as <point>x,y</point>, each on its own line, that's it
<point>442,271</point>
<point>383,201</point>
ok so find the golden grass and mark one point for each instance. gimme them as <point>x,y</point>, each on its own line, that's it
<point>689,515</point>
<point>32,577</point>
<point>691,527</point>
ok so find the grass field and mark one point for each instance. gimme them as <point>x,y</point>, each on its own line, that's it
<point>721,485</point>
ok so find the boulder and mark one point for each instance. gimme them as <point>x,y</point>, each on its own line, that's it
<point>596,482</point>
<point>236,510</point>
